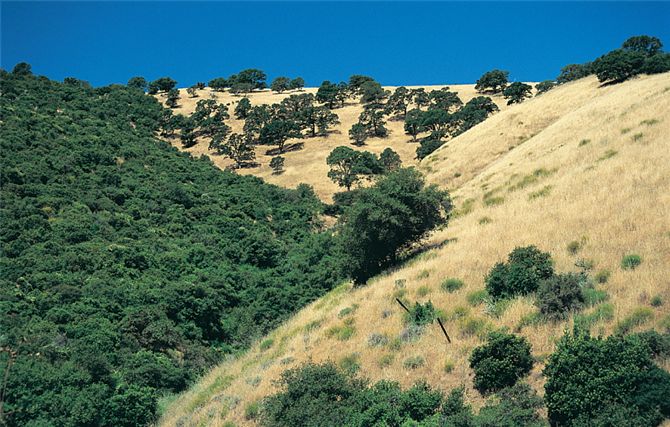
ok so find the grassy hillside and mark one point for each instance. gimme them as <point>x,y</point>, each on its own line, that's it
<point>309,164</point>
<point>582,172</point>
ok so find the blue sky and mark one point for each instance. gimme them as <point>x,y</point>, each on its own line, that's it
<point>395,42</point>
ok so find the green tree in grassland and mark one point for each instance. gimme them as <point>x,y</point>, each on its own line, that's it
<point>297,83</point>
<point>501,362</point>
<point>647,45</point>
<point>372,119</point>
<point>521,275</point>
<point>618,65</point>
<point>327,94</point>
<point>517,92</point>
<point>218,84</point>
<point>390,160</point>
<point>544,86</point>
<point>280,84</point>
<point>242,109</point>
<point>398,101</point>
<point>163,84</point>
<point>238,147</point>
<point>443,99</point>
<point>172,98</point>
<point>358,134</point>
<point>356,81</point>
<point>494,81</point>
<point>371,92</point>
<point>277,132</point>
<point>413,123</point>
<point>420,97</point>
<point>572,72</point>
<point>427,146</point>
<point>398,211</point>
<point>277,165</point>
<point>192,91</point>
<point>342,162</point>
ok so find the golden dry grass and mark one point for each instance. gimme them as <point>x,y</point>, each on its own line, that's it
<point>610,192</point>
<point>309,164</point>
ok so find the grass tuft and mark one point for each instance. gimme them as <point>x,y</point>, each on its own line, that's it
<point>451,285</point>
<point>631,261</point>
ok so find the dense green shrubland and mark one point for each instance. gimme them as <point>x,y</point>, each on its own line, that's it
<point>128,268</point>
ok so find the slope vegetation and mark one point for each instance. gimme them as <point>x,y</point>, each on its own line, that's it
<point>582,172</point>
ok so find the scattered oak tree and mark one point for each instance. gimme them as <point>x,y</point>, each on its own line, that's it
<point>138,83</point>
<point>280,84</point>
<point>501,362</point>
<point>277,165</point>
<point>517,92</point>
<point>242,109</point>
<point>277,132</point>
<point>494,81</point>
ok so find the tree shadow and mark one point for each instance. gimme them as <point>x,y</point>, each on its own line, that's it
<point>287,149</point>
<point>415,252</point>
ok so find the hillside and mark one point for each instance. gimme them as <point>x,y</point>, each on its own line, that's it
<point>581,163</point>
<point>308,165</point>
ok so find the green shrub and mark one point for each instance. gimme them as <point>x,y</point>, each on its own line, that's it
<point>585,375</point>
<point>386,360</point>
<point>423,274</point>
<point>540,193</point>
<point>603,312</point>
<point>451,285</point>
<point>602,276</point>
<point>421,314</point>
<point>476,298</point>
<point>448,366</point>
<point>252,410</point>
<point>496,308</point>
<point>639,316</point>
<point>494,201</point>
<point>638,136</point>
<point>474,326</point>
<point>347,311</point>
<point>266,344</point>
<point>529,319</point>
<point>500,362</point>
<point>484,220</point>
<point>656,301</point>
<point>584,142</point>
<point>525,268</point>
<point>559,295</point>
<point>631,261</point>
<point>413,362</point>
<point>410,333</point>
<point>518,405</point>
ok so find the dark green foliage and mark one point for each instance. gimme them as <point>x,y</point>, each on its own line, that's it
<point>413,123</point>
<point>504,359</point>
<point>427,146</point>
<point>646,45</point>
<point>521,275</point>
<point>238,147</point>
<point>421,314</point>
<point>631,262</point>
<point>517,92</point>
<point>22,69</point>
<point>387,218</point>
<point>218,84</point>
<point>347,166</point>
<point>659,63</point>
<point>390,160</point>
<point>358,134</point>
<point>587,377</point>
<point>574,72</point>
<point>372,119</point>
<point>559,295</point>
<point>443,99</point>
<point>277,165</point>
<point>248,79</point>
<point>518,405</point>
<point>371,92</point>
<point>474,112</point>
<point>242,109</point>
<point>277,132</point>
<point>321,395</point>
<point>494,81</point>
<point>327,94</point>
<point>297,83</point>
<point>618,65</point>
<point>280,84</point>
<point>138,83</point>
<point>356,81</point>
<point>163,84</point>
<point>544,86</point>
<point>172,98</point>
<point>398,101</point>
<point>128,267</point>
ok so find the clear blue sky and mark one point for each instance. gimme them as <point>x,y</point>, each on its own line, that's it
<point>395,42</point>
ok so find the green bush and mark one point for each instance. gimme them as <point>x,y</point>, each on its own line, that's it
<point>515,406</point>
<point>377,340</point>
<point>656,301</point>
<point>252,410</point>
<point>594,296</point>
<point>476,298</point>
<point>560,295</point>
<point>586,375</point>
<point>631,261</point>
<point>350,364</point>
<point>421,314</point>
<point>574,247</point>
<point>266,344</point>
<point>525,268</point>
<point>451,285</point>
<point>500,362</point>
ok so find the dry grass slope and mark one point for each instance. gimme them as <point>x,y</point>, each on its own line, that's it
<point>579,163</point>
